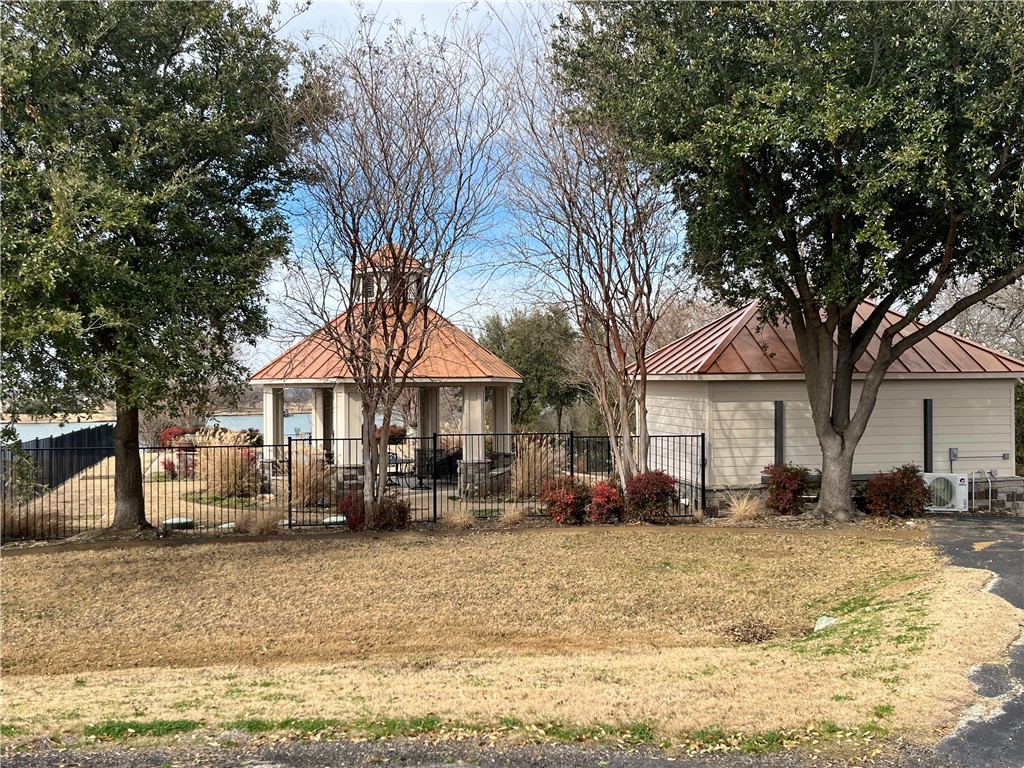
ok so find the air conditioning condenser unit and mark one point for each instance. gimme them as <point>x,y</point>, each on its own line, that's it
<point>948,492</point>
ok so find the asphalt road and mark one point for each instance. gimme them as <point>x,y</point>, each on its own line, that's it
<point>994,544</point>
<point>342,754</point>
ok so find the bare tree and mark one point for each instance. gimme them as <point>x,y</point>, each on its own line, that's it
<point>682,313</point>
<point>997,321</point>
<point>400,147</point>
<point>602,237</point>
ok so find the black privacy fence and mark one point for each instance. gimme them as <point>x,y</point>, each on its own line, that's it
<point>56,492</point>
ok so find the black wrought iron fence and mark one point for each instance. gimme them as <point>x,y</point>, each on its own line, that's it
<point>57,492</point>
<point>478,476</point>
<point>216,488</point>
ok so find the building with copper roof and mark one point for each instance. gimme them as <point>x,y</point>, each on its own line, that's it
<point>946,404</point>
<point>451,358</point>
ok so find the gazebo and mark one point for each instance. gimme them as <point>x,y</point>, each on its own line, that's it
<point>451,359</point>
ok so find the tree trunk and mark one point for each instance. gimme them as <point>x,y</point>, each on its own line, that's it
<point>371,467</point>
<point>129,500</point>
<point>836,498</point>
<point>643,463</point>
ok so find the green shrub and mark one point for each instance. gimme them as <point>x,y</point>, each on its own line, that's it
<point>899,492</point>
<point>787,484</point>
<point>650,496</point>
<point>566,499</point>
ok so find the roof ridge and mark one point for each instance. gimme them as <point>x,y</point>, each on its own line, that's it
<point>743,315</point>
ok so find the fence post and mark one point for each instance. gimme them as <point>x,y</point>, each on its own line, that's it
<point>703,473</point>
<point>572,454</point>
<point>289,470</point>
<point>433,475</point>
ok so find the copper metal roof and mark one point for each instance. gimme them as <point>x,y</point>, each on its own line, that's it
<point>734,344</point>
<point>451,354</point>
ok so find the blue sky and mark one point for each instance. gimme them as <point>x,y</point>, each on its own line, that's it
<point>473,293</point>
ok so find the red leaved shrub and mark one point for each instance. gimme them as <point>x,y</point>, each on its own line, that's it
<point>566,499</point>
<point>606,504</point>
<point>392,513</point>
<point>351,506</point>
<point>786,486</point>
<point>650,496</point>
<point>899,492</point>
<point>170,469</point>
<point>171,435</point>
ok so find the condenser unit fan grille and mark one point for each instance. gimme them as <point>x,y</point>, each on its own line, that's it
<point>943,492</point>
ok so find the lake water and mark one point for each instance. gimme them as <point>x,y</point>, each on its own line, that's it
<point>294,424</point>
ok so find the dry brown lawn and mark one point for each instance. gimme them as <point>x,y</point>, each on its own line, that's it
<point>610,625</point>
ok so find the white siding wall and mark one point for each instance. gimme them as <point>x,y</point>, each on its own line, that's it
<point>973,415</point>
<point>744,428</point>
<point>677,407</point>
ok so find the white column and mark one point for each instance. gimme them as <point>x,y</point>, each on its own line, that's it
<point>347,424</point>
<point>273,415</point>
<point>430,408</point>
<point>317,415</point>
<point>473,422</point>
<point>323,419</point>
<point>502,419</point>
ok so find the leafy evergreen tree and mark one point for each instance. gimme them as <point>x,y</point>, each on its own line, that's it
<point>537,344</point>
<point>824,154</point>
<point>143,156</point>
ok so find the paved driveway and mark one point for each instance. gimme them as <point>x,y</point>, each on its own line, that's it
<point>996,544</point>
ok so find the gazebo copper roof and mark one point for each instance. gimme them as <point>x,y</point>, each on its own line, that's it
<point>450,355</point>
<point>734,344</point>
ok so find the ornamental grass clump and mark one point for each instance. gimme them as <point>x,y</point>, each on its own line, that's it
<point>744,507</point>
<point>606,504</point>
<point>535,462</point>
<point>650,497</point>
<point>460,518</point>
<point>312,480</point>
<point>226,463</point>
<point>899,492</point>
<point>24,524</point>
<point>566,499</point>
<point>787,484</point>
<point>259,522</point>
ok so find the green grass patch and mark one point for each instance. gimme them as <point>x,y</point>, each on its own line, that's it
<point>872,626</point>
<point>715,740</point>
<point>120,729</point>
<point>9,731</point>
<point>233,502</point>
<point>391,727</point>
<point>639,733</point>
<point>309,725</point>
<point>251,725</point>
<point>763,743</point>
